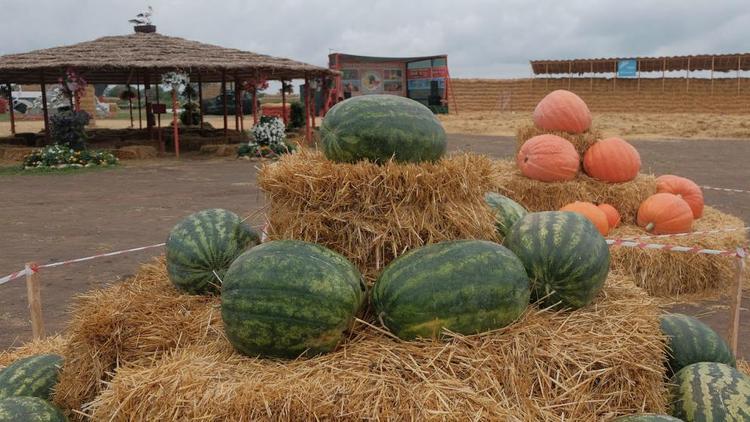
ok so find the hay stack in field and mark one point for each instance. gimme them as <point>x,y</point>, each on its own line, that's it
<point>663,273</point>
<point>373,213</point>
<point>544,196</point>
<point>600,361</point>
<point>581,141</point>
<point>52,344</point>
<point>140,318</point>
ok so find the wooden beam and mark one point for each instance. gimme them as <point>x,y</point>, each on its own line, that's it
<point>237,100</point>
<point>308,129</point>
<point>663,74</point>
<point>687,77</point>
<point>224,101</point>
<point>140,117</point>
<point>283,103</point>
<point>739,67</point>
<point>614,80</point>
<point>713,58</point>
<point>34,298</point>
<point>45,112</point>
<point>570,74</point>
<point>591,78</point>
<point>200,98</point>
<point>10,110</point>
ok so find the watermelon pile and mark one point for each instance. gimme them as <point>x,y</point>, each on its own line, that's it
<point>710,391</point>
<point>691,341</point>
<point>507,211</point>
<point>29,409</point>
<point>26,386</point>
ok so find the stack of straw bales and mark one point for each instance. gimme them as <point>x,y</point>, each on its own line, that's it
<point>581,141</point>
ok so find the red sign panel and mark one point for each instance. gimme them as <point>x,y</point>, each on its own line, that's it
<point>423,73</point>
<point>440,72</point>
<point>158,108</point>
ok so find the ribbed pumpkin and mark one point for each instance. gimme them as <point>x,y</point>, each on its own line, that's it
<point>563,111</point>
<point>665,213</point>
<point>592,212</point>
<point>685,189</point>
<point>548,158</point>
<point>612,160</point>
<point>613,216</point>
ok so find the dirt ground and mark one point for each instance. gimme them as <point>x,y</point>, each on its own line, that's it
<point>59,216</point>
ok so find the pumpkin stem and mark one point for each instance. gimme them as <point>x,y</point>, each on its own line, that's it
<point>649,227</point>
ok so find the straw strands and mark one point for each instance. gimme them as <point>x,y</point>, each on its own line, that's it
<point>581,142</point>
<point>52,344</point>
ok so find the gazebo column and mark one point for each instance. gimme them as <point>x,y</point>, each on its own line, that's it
<point>140,117</point>
<point>308,129</point>
<point>237,100</point>
<point>224,100</point>
<point>255,105</point>
<point>44,110</point>
<point>175,128</point>
<point>11,111</point>
<point>200,97</point>
<point>283,102</point>
<point>130,106</point>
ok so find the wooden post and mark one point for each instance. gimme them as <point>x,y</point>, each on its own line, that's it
<point>739,67</point>
<point>308,129</point>
<point>11,111</point>
<point>638,66</point>
<point>34,296</point>
<point>591,78</point>
<point>44,110</point>
<point>663,73</point>
<point>130,105</point>
<point>224,101</point>
<point>737,301</point>
<point>242,114</point>
<point>140,117</point>
<point>614,80</point>
<point>175,129</point>
<point>158,102</point>
<point>687,77</point>
<point>237,101</point>
<point>570,74</point>
<point>713,59</point>
<point>255,105</point>
<point>283,102</point>
<point>200,97</point>
<point>546,77</point>
<point>312,105</point>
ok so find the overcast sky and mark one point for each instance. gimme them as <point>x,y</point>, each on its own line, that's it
<point>482,38</point>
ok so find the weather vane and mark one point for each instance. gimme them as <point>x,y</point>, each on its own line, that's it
<point>143,18</point>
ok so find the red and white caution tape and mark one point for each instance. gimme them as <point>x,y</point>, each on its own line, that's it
<point>725,189</point>
<point>739,253</point>
<point>695,233</point>
<point>15,275</point>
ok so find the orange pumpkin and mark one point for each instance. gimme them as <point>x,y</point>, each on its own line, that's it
<point>548,158</point>
<point>563,111</point>
<point>612,160</point>
<point>613,216</point>
<point>685,189</point>
<point>665,213</point>
<point>592,212</point>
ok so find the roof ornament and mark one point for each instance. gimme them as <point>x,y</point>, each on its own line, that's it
<point>142,21</point>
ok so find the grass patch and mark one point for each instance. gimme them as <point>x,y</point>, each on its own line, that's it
<point>16,170</point>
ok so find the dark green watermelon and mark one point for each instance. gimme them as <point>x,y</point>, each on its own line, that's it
<point>691,341</point>
<point>379,127</point>
<point>201,247</point>
<point>287,298</point>
<point>33,376</point>
<point>507,211</point>
<point>709,391</point>
<point>466,286</point>
<point>646,417</point>
<point>565,256</point>
<point>29,409</point>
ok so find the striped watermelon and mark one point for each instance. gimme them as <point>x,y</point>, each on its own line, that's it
<point>29,409</point>
<point>201,247</point>
<point>466,286</point>
<point>646,417</point>
<point>691,341</point>
<point>565,256</point>
<point>378,127</point>
<point>507,211</point>
<point>287,298</point>
<point>710,391</point>
<point>33,376</point>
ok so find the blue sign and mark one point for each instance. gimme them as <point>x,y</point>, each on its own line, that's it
<point>627,67</point>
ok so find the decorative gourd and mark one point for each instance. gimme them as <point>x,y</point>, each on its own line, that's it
<point>613,216</point>
<point>612,160</point>
<point>563,111</point>
<point>685,189</point>
<point>592,212</point>
<point>548,158</point>
<point>665,213</point>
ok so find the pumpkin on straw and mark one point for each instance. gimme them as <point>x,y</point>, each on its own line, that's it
<point>612,160</point>
<point>613,216</point>
<point>548,158</point>
<point>564,111</point>
<point>685,189</point>
<point>665,213</point>
<point>592,212</point>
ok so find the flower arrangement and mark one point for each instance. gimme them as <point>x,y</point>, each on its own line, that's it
<point>259,83</point>
<point>73,87</point>
<point>67,128</point>
<point>269,137</point>
<point>60,156</point>
<point>175,79</point>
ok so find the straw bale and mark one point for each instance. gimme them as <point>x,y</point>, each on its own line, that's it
<point>140,318</point>
<point>663,273</point>
<point>373,213</point>
<point>52,344</point>
<point>544,196</point>
<point>600,361</point>
<point>581,142</point>
<point>743,366</point>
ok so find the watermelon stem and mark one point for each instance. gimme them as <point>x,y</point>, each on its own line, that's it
<point>649,227</point>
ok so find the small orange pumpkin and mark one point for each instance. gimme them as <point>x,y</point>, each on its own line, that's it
<point>612,160</point>
<point>592,212</point>
<point>665,213</point>
<point>548,158</point>
<point>685,189</point>
<point>563,111</point>
<point>613,216</point>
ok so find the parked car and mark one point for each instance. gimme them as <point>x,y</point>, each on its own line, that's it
<point>216,105</point>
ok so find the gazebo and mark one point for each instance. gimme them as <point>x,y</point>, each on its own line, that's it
<point>142,57</point>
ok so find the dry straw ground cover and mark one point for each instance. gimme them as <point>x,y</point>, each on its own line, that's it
<point>52,344</point>
<point>581,141</point>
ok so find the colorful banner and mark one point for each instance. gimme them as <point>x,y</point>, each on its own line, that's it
<point>627,68</point>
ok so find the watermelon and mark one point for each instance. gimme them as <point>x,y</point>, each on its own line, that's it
<point>507,211</point>
<point>466,286</point>
<point>565,256</point>
<point>646,417</point>
<point>33,376</point>
<point>381,127</point>
<point>287,298</point>
<point>710,391</point>
<point>691,341</point>
<point>29,409</point>
<point>201,247</point>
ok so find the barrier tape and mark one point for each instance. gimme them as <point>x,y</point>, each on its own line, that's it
<point>13,276</point>
<point>739,253</point>
<point>725,189</point>
<point>695,233</point>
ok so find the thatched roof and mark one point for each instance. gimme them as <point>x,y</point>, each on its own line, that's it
<point>717,62</point>
<point>129,58</point>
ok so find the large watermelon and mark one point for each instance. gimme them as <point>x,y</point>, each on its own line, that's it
<point>29,409</point>
<point>710,391</point>
<point>288,297</point>
<point>565,256</point>
<point>33,376</point>
<point>691,341</point>
<point>201,247</point>
<point>466,286</point>
<point>507,211</point>
<point>378,127</point>
<point>646,417</point>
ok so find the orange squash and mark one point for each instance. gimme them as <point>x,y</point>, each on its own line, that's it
<point>592,212</point>
<point>548,158</point>
<point>613,216</point>
<point>563,111</point>
<point>685,189</point>
<point>612,160</point>
<point>665,213</point>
